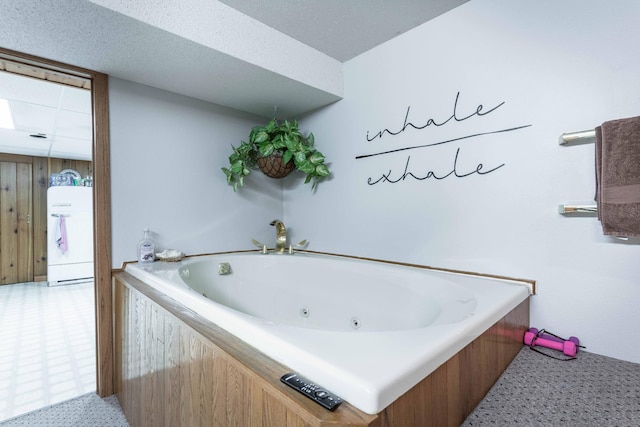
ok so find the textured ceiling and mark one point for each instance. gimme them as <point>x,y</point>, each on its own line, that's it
<point>249,55</point>
<point>343,29</point>
<point>215,52</point>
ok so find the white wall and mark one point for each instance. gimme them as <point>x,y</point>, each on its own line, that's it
<point>557,67</point>
<point>167,152</point>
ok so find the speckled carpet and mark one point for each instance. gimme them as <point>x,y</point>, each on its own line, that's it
<point>84,411</point>
<point>535,390</point>
<point>591,391</point>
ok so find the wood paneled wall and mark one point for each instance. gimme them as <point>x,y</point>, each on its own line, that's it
<point>173,368</point>
<point>16,247</point>
<point>38,170</point>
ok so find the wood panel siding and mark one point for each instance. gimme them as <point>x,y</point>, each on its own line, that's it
<point>23,231</point>
<point>39,217</point>
<point>16,228</point>
<point>8,224</point>
<point>174,368</point>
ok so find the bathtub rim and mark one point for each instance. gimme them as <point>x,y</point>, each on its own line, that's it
<point>382,397</point>
<point>530,283</point>
<point>454,387</point>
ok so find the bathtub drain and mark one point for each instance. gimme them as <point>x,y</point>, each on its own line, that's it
<point>355,323</point>
<point>304,312</point>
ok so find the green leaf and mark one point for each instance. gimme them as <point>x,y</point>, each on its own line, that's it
<point>228,174</point>
<point>279,142</point>
<point>237,166</point>
<point>290,143</point>
<point>266,150</point>
<point>271,126</point>
<point>316,158</point>
<point>307,167</point>
<point>287,156</point>
<point>260,136</point>
<point>322,170</point>
<point>300,157</point>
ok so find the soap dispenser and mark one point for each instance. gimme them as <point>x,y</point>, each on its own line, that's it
<point>146,248</point>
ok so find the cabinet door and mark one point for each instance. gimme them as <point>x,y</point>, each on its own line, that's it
<point>16,229</point>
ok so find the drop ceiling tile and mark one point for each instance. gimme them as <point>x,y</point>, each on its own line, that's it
<point>70,148</point>
<point>29,90</point>
<point>18,142</point>
<point>32,117</point>
<point>76,100</point>
<point>74,125</point>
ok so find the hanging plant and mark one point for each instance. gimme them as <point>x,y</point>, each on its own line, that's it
<point>276,149</point>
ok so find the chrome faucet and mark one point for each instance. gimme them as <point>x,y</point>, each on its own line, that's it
<point>281,236</point>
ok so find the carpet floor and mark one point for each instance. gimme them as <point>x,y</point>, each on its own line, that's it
<point>590,391</point>
<point>88,410</point>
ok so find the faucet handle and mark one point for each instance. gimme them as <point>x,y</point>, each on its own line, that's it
<point>300,244</point>
<point>262,246</point>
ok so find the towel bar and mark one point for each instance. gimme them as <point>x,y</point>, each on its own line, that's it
<point>59,215</point>
<point>576,138</point>
<point>577,209</point>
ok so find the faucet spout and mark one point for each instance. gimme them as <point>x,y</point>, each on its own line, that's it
<point>281,236</point>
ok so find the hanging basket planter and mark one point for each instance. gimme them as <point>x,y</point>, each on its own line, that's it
<point>274,166</point>
<point>266,149</point>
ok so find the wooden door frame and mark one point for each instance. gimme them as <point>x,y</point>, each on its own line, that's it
<point>101,209</point>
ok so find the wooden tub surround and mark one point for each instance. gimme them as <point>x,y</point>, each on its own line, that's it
<point>173,368</point>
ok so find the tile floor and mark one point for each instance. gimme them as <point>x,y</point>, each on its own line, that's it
<point>47,345</point>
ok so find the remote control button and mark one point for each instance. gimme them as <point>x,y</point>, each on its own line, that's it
<point>312,391</point>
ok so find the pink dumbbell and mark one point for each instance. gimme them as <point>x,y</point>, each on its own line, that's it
<point>569,347</point>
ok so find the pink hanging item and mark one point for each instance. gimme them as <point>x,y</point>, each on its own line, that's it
<point>61,235</point>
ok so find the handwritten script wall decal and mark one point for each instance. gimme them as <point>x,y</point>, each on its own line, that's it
<point>449,171</point>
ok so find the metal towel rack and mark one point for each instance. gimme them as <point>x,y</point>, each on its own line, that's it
<point>582,210</point>
<point>577,138</point>
<point>570,139</point>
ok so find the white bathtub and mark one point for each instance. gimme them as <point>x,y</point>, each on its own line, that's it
<point>367,331</point>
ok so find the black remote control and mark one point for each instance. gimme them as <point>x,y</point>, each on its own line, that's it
<point>312,391</point>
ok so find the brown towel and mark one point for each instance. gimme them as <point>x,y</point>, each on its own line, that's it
<point>618,176</point>
<point>598,196</point>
